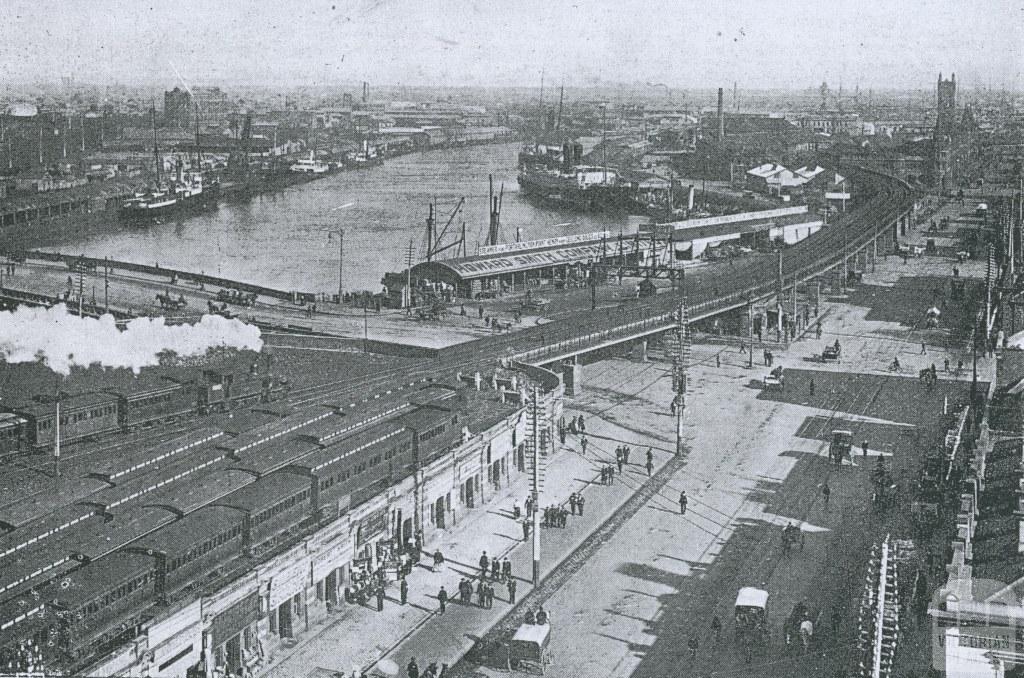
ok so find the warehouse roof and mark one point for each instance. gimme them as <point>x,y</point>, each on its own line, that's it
<point>528,256</point>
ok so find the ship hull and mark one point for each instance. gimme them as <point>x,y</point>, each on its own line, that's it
<point>565,193</point>
<point>202,202</point>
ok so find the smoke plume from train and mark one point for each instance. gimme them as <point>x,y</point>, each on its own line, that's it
<point>62,340</point>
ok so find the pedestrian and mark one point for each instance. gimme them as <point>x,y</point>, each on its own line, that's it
<point>403,591</point>
<point>826,492</point>
<point>693,644</point>
<point>683,501</point>
<point>583,445</point>
<point>380,598</point>
<point>625,454</point>
<point>516,510</point>
<point>480,311</point>
<point>442,599</point>
<point>506,569</point>
<point>811,386</point>
<point>563,516</point>
<point>947,365</point>
<point>716,628</point>
<point>765,354</point>
<point>489,596</point>
<point>495,569</point>
<point>530,618</point>
<point>526,529</point>
<point>650,456</point>
<point>718,361</point>
<point>864,448</point>
<point>583,427</point>
<point>611,474</point>
<point>484,564</point>
<point>579,504</point>
<point>923,348</point>
<point>480,593</point>
<point>817,330</point>
<point>413,670</point>
<point>511,590</point>
<point>650,467</point>
<point>542,616</point>
<point>572,503</point>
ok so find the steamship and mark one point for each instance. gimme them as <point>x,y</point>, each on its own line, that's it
<point>575,185</point>
<point>188,193</point>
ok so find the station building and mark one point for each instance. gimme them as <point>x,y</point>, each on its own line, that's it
<point>559,262</point>
<point>242,625</point>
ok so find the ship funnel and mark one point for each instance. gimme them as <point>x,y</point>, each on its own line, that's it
<point>179,168</point>
<point>577,154</point>
<point>567,152</point>
<point>721,116</point>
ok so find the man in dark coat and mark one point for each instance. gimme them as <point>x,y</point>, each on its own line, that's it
<point>403,590</point>
<point>442,599</point>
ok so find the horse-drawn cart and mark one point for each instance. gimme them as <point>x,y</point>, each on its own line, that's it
<point>528,648</point>
<point>751,612</point>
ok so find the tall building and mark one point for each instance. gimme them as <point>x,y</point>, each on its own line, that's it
<point>180,105</point>
<point>953,138</point>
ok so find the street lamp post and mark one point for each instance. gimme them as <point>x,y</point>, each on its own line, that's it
<point>340,232</point>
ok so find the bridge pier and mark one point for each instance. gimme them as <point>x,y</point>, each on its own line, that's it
<point>572,376</point>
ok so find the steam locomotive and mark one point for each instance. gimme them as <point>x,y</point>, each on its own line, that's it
<point>83,416</point>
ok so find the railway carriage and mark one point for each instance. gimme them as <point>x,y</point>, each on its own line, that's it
<point>274,508</point>
<point>82,417</point>
<point>153,402</point>
<point>187,551</point>
<point>12,429</point>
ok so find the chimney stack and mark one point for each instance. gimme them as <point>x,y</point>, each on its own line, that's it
<point>721,116</point>
<point>366,91</point>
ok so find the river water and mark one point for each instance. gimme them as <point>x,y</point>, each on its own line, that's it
<point>279,239</point>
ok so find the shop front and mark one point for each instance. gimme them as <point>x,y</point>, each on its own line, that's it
<point>366,573</point>
<point>235,640</point>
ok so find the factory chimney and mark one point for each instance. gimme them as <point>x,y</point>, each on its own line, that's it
<point>721,116</point>
<point>366,91</point>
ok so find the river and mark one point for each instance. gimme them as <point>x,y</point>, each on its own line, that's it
<point>280,239</point>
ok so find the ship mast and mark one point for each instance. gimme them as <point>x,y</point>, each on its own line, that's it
<point>199,149</point>
<point>156,147</point>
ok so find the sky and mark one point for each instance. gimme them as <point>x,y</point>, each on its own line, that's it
<point>680,43</point>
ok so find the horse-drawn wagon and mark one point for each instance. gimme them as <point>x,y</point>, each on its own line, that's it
<point>528,648</point>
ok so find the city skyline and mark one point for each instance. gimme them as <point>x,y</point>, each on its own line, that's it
<point>451,43</point>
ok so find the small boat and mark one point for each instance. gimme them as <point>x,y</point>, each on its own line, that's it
<point>310,165</point>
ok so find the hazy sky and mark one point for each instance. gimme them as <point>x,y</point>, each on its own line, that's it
<point>682,43</point>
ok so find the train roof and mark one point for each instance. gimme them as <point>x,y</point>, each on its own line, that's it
<point>54,497</point>
<point>45,528</point>
<point>190,531</point>
<point>148,388</point>
<point>71,403</point>
<point>131,464</point>
<point>34,564</point>
<point>96,540</point>
<point>16,610</point>
<point>381,434</point>
<point>273,455</point>
<point>483,413</point>
<point>96,578</point>
<point>329,430</point>
<point>203,489</point>
<point>426,417</point>
<point>160,475</point>
<point>274,430</point>
<point>265,492</point>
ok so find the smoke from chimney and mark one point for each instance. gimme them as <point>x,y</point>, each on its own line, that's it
<point>62,341</point>
<point>721,115</point>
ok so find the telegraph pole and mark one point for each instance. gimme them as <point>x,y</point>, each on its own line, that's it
<point>536,487</point>
<point>778,303</point>
<point>682,359</point>
<point>750,328</point>
<point>408,279</point>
